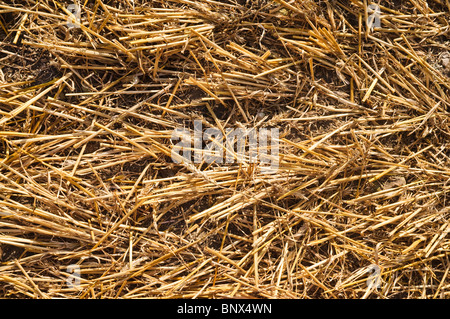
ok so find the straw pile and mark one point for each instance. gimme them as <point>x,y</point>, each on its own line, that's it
<point>87,179</point>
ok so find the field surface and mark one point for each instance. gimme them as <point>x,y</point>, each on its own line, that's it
<point>93,203</point>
